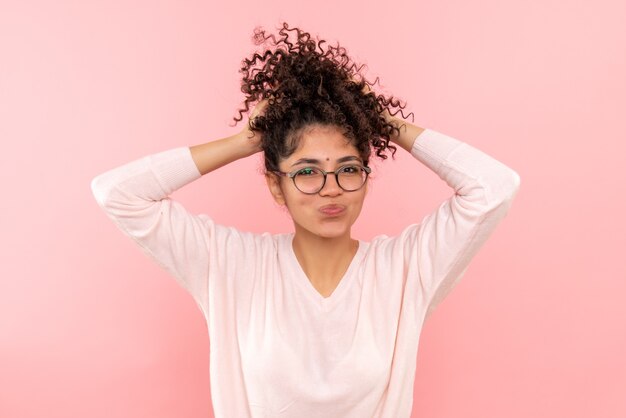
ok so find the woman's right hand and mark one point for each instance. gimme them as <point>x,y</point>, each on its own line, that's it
<point>249,134</point>
<point>215,154</point>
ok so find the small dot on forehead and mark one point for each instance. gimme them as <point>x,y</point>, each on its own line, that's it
<point>327,159</point>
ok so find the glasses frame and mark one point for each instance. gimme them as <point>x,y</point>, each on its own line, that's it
<point>292,176</point>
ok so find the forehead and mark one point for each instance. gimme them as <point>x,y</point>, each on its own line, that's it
<point>323,142</point>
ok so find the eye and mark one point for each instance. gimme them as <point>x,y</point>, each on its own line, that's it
<point>307,171</point>
<point>350,169</point>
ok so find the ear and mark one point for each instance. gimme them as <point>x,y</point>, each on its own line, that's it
<point>273,183</point>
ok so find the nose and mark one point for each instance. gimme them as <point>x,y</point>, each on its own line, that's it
<point>331,187</point>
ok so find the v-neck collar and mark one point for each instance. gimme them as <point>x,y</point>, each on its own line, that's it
<point>325,303</point>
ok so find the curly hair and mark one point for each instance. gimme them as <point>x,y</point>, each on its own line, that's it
<point>307,84</point>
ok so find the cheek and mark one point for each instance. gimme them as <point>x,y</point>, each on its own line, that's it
<point>290,200</point>
<point>358,203</point>
<point>297,202</point>
<point>359,207</point>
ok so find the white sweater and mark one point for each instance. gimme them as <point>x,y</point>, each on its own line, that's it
<point>278,348</point>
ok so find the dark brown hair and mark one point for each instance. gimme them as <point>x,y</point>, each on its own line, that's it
<point>309,84</point>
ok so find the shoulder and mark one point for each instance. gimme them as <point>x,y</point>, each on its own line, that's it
<point>407,234</point>
<point>231,235</point>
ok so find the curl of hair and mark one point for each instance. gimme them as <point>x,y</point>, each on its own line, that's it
<point>308,82</point>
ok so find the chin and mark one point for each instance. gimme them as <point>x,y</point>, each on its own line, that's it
<point>332,232</point>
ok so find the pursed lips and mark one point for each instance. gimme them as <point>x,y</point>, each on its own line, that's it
<point>332,210</point>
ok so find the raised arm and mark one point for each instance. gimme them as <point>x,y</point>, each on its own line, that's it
<point>439,249</point>
<point>135,196</point>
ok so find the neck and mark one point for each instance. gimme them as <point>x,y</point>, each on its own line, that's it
<point>324,260</point>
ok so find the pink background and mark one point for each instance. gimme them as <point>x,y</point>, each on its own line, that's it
<point>90,327</point>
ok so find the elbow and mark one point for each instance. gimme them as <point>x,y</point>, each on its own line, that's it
<point>513,184</point>
<point>507,190</point>
<point>99,190</point>
<point>501,191</point>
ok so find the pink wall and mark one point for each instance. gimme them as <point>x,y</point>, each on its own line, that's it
<point>90,327</point>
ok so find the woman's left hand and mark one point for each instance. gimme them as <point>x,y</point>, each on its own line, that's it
<point>408,132</point>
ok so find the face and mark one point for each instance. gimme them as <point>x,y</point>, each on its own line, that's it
<point>331,212</point>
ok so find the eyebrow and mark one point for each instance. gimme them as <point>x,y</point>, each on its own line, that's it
<point>315,161</point>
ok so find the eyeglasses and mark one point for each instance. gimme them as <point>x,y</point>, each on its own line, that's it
<point>310,180</point>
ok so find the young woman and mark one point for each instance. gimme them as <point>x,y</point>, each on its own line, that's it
<point>313,323</point>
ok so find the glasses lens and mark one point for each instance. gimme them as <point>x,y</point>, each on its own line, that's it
<point>351,177</point>
<point>309,180</point>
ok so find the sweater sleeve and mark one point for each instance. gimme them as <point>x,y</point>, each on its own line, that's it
<point>135,197</point>
<point>443,244</point>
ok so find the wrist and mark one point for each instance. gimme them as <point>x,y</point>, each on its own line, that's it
<point>407,135</point>
<point>247,142</point>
